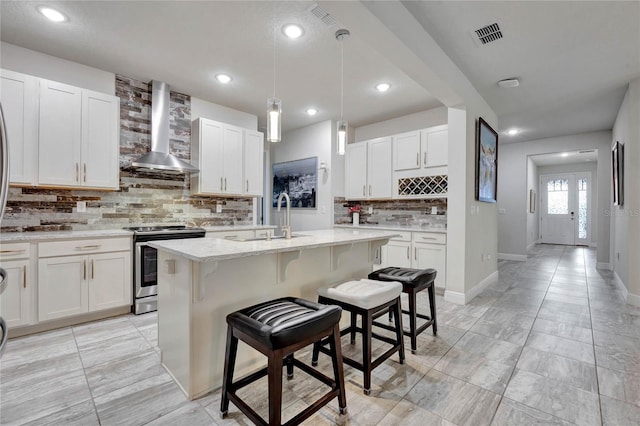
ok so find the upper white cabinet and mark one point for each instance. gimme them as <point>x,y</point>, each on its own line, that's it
<point>422,149</point>
<point>229,159</point>
<point>368,169</point>
<point>253,162</point>
<point>19,98</point>
<point>78,144</point>
<point>60,135</point>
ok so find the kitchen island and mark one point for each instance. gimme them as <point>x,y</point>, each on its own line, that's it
<point>201,281</point>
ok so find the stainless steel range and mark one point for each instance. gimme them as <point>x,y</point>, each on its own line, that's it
<point>145,261</point>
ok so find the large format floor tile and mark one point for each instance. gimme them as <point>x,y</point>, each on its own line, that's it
<point>520,353</point>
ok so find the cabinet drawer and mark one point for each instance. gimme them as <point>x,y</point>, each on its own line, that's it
<point>79,247</point>
<point>403,236</point>
<point>14,251</point>
<point>429,237</point>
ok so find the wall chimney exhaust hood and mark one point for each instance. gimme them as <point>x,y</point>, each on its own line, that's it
<point>159,158</point>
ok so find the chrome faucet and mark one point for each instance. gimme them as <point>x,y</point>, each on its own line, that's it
<point>287,226</point>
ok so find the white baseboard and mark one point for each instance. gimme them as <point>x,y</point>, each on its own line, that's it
<point>516,257</point>
<point>454,297</point>
<point>593,244</point>
<point>464,298</point>
<point>530,246</point>
<point>620,285</point>
<point>603,265</point>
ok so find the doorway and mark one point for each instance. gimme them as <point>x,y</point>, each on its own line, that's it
<point>565,208</point>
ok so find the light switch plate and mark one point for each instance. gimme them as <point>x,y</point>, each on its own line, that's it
<point>434,210</point>
<point>218,208</point>
<point>81,206</point>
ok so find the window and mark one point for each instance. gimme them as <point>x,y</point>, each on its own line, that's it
<point>558,196</point>
<point>582,208</point>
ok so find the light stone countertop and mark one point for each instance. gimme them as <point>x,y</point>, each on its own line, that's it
<point>407,228</point>
<point>237,228</point>
<point>7,237</point>
<point>212,249</point>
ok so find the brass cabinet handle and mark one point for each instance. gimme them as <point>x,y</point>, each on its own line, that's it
<point>91,247</point>
<point>84,270</point>
<point>364,190</point>
<point>415,253</point>
<point>428,238</point>
<point>425,158</point>
<point>92,268</point>
<point>11,251</point>
<point>77,172</point>
<point>369,190</point>
<point>85,173</point>
<point>220,183</point>
<point>417,158</point>
<point>247,185</point>
<point>408,252</point>
<point>225,184</point>
<point>24,276</point>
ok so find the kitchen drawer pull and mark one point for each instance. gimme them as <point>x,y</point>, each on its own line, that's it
<point>230,237</point>
<point>225,184</point>
<point>221,187</point>
<point>24,276</point>
<point>92,247</point>
<point>429,238</point>
<point>11,251</point>
<point>92,268</point>
<point>417,158</point>
<point>408,253</point>
<point>77,172</point>
<point>364,190</point>
<point>84,269</point>
<point>369,190</point>
<point>415,253</point>
<point>247,185</point>
<point>85,173</point>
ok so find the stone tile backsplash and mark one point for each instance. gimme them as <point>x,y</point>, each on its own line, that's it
<point>143,197</point>
<point>414,213</point>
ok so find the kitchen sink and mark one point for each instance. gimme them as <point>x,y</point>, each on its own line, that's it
<point>263,238</point>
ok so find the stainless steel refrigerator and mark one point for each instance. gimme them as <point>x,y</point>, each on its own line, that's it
<point>4,189</point>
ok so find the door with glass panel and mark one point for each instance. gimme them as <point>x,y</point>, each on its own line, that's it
<point>565,213</point>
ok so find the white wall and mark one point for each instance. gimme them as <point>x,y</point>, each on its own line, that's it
<point>591,167</point>
<point>19,59</point>
<point>625,222</point>
<point>513,195</point>
<point>533,221</point>
<point>407,123</point>
<point>202,108</point>
<point>316,140</point>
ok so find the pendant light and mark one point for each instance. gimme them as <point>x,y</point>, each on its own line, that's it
<point>343,126</point>
<point>274,105</point>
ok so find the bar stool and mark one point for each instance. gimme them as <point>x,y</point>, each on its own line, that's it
<point>413,281</point>
<point>365,298</point>
<point>277,329</point>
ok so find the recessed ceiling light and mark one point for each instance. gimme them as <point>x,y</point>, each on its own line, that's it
<point>565,154</point>
<point>383,87</point>
<point>509,82</point>
<point>513,132</point>
<point>312,111</point>
<point>293,31</point>
<point>223,78</point>
<point>52,14</point>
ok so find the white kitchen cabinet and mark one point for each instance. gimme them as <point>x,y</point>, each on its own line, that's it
<point>435,146</point>
<point>368,170</point>
<point>78,137</point>
<point>17,299</point>
<point>19,98</point>
<point>217,149</point>
<point>81,276</point>
<point>396,253</point>
<point>253,163</point>
<point>432,256</point>
<point>406,151</point>
<point>60,134</point>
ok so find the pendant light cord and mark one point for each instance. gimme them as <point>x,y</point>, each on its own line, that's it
<point>274,53</point>
<point>341,79</point>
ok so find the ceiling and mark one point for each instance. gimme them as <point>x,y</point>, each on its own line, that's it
<point>573,59</point>
<point>569,157</point>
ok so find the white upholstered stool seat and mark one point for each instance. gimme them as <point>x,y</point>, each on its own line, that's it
<point>365,294</point>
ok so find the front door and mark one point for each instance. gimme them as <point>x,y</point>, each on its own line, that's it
<point>565,209</point>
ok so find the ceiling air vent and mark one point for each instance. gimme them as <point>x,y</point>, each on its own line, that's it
<point>488,34</point>
<point>320,13</point>
<point>586,151</point>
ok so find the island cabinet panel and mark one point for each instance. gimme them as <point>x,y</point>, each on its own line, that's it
<point>15,301</point>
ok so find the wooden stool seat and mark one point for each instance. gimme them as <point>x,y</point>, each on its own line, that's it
<point>277,329</point>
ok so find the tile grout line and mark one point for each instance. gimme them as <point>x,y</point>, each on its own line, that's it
<point>525,342</point>
<point>593,343</point>
<point>84,372</point>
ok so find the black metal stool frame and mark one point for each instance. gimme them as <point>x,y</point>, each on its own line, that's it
<point>277,358</point>
<point>367,315</point>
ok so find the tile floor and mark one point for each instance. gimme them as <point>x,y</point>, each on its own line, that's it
<point>551,342</point>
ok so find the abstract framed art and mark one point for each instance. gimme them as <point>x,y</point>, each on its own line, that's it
<point>617,171</point>
<point>486,163</point>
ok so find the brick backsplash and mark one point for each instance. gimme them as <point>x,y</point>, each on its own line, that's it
<point>393,212</point>
<point>143,197</point>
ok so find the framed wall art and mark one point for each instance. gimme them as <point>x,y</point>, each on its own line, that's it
<point>617,171</point>
<point>486,163</point>
<point>299,179</point>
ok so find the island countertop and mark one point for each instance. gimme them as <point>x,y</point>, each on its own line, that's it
<point>213,249</point>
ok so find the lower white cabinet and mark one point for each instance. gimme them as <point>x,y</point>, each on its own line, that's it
<point>15,302</point>
<point>71,284</point>
<point>419,250</point>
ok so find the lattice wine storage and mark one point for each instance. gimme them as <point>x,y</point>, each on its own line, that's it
<point>424,185</point>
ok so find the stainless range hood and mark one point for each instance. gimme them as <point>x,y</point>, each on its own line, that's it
<point>159,158</point>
